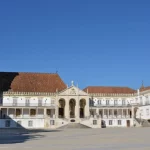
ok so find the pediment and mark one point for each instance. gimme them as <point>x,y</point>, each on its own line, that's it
<point>73,91</point>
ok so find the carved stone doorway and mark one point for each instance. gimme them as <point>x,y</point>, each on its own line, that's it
<point>61,109</point>
<point>72,104</point>
<point>82,108</point>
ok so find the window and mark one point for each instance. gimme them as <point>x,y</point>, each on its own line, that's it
<point>107,102</point>
<point>147,100</point>
<point>99,102</point>
<point>141,101</point>
<point>27,101</point>
<point>116,102</point>
<point>18,123</point>
<point>48,112</point>
<point>123,102</point>
<point>52,122</point>
<point>136,100</point>
<point>40,102</point>
<point>94,122</point>
<point>18,112</point>
<point>15,101</point>
<point>119,122</point>
<point>147,111</point>
<point>115,112</point>
<point>52,102</point>
<point>7,123</point>
<point>30,123</point>
<point>32,112</point>
<point>110,122</point>
<point>141,112</point>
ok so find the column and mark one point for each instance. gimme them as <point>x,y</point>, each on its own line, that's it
<point>45,115</point>
<point>132,112</point>
<point>86,109</point>
<point>107,113</point>
<point>15,113</point>
<point>36,112</point>
<point>22,112</point>
<point>127,112</point>
<point>67,109</point>
<point>117,113</point>
<point>77,109</point>
<point>112,113</point>
<point>56,106</point>
<point>7,112</point>
<point>56,112</point>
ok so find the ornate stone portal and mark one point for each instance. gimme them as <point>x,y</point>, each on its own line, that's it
<point>72,104</point>
<point>76,103</point>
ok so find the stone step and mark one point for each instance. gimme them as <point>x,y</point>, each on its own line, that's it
<point>74,126</point>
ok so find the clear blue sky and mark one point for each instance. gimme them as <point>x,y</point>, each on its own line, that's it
<point>92,42</point>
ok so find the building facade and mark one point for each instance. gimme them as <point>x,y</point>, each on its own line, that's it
<point>38,100</point>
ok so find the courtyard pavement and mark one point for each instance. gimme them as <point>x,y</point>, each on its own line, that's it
<point>77,139</point>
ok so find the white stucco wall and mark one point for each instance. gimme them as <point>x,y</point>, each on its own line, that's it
<point>31,101</point>
<point>115,122</point>
<point>37,123</point>
<point>128,101</point>
<point>143,112</point>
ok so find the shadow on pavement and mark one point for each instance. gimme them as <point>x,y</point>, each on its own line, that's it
<point>12,136</point>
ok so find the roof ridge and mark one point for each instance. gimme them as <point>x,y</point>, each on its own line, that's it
<point>111,86</point>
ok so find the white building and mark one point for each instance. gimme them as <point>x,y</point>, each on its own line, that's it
<point>36,100</point>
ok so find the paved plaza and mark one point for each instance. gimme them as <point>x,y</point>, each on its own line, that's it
<point>77,139</point>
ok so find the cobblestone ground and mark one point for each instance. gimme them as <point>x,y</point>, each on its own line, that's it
<point>77,139</point>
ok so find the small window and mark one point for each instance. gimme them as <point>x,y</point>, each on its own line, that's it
<point>116,102</point>
<point>27,101</point>
<point>19,124</point>
<point>18,112</point>
<point>94,122</point>
<point>110,122</point>
<point>7,123</point>
<point>32,112</point>
<point>107,102</point>
<point>48,112</point>
<point>30,123</point>
<point>147,111</point>
<point>52,102</point>
<point>123,102</point>
<point>147,100</point>
<point>99,102</point>
<point>141,101</point>
<point>52,122</point>
<point>141,112</point>
<point>119,122</point>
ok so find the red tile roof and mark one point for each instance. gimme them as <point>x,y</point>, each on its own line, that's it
<point>31,82</point>
<point>105,89</point>
<point>144,88</point>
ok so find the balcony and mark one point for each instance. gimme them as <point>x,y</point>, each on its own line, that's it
<point>27,105</point>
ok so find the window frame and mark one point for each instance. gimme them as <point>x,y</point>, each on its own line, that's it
<point>94,122</point>
<point>30,123</point>
<point>111,122</point>
<point>7,123</point>
<point>119,122</point>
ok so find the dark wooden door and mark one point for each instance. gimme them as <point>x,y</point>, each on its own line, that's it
<point>128,123</point>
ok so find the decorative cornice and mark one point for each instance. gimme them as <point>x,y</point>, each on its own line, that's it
<point>28,94</point>
<point>112,94</point>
